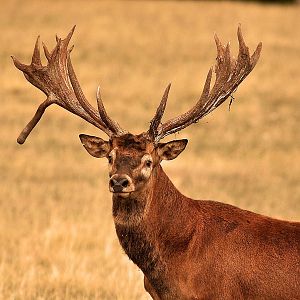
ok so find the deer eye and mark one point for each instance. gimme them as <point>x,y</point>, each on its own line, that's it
<point>148,163</point>
<point>110,159</point>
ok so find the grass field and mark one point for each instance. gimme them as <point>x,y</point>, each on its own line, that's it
<point>57,238</point>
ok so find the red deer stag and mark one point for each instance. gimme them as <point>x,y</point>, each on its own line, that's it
<point>187,249</point>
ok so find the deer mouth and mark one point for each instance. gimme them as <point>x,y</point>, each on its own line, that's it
<point>121,191</point>
<point>122,194</point>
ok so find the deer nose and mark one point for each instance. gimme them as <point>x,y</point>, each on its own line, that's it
<point>119,183</point>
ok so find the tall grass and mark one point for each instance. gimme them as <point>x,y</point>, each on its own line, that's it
<point>57,238</point>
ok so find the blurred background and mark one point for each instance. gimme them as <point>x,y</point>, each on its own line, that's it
<point>57,238</point>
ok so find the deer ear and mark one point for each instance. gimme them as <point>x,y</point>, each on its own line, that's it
<point>94,145</point>
<point>171,150</point>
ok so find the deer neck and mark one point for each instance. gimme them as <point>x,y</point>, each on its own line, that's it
<point>142,221</point>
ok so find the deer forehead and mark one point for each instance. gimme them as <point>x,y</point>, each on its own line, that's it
<point>131,149</point>
<point>133,143</point>
<point>131,158</point>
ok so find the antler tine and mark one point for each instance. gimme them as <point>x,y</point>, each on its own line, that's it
<point>206,87</point>
<point>155,122</point>
<point>244,50</point>
<point>255,56</point>
<point>59,83</point>
<point>46,52</point>
<point>229,74</point>
<point>37,116</point>
<point>36,57</point>
<point>220,47</point>
<point>111,124</point>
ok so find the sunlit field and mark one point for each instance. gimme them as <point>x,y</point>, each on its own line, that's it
<point>57,238</point>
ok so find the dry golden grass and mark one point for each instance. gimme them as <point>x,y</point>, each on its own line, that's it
<point>57,238</point>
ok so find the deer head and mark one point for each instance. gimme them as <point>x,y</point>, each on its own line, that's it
<point>132,158</point>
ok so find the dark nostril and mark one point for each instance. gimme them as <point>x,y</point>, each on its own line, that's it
<point>124,182</point>
<point>119,183</point>
<point>112,182</point>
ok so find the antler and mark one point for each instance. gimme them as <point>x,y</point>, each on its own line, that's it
<point>155,122</point>
<point>229,74</point>
<point>59,83</point>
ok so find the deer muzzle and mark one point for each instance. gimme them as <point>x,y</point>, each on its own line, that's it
<point>121,183</point>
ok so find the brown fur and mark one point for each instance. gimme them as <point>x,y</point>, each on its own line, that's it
<point>190,249</point>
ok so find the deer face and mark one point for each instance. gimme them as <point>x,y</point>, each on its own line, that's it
<point>131,159</point>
